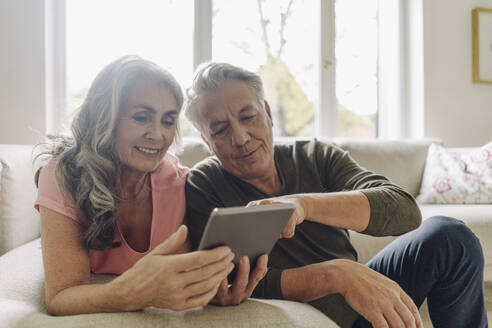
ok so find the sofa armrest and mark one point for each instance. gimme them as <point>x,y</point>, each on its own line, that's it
<point>19,221</point>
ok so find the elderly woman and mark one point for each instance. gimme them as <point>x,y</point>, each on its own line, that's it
<point>112,200</point>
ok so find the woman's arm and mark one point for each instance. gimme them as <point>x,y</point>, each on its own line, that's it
<point>158,279</point>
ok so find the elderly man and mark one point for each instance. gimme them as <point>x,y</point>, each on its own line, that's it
<point>441,260</point>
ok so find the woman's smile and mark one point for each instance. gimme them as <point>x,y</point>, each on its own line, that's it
<point>149,151</point>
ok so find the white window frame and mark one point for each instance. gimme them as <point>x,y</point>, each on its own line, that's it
<point>400,66</point>
<point>56,100</point>
<point>326,120</point>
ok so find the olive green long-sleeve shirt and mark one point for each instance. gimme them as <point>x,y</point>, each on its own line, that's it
<point>304,167</point>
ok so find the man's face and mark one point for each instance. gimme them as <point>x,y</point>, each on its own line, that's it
<point>238,129</point>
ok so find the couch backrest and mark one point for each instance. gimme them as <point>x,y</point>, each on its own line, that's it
<point>19,221</point>
<point>402,161</point>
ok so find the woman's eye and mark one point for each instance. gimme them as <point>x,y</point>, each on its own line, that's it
<point>168,123</point>
<point>141,119</point>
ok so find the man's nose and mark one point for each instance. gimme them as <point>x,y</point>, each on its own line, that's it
<point>240,135</point>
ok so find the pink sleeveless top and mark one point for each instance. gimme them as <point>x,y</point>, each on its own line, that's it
<point>168,210</point>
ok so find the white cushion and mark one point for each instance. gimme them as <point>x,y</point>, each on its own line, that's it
<point>192,151</point>
<point>19,221</point>
<point>22,305</point>
<point>457,177</point>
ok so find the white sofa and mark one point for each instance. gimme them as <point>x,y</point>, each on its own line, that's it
<point>21,268</point>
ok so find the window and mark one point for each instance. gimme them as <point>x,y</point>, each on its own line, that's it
<point>269,38</point>
<point>98,32</point>
<point>356,49</point>
<point>290,43</point>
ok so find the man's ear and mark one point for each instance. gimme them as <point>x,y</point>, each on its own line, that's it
<point>208,144</point>
<point>205,140</point>
<point>268,111</point>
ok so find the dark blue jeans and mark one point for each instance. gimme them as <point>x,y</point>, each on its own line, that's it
<point>442,261</point>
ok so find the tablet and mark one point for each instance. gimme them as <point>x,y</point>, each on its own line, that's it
<point>250,231</point>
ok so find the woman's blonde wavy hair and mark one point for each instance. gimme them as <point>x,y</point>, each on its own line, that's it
<point>87,167</point>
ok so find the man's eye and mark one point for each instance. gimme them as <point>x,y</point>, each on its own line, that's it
<point>248,118</point>
<point>220,132</point>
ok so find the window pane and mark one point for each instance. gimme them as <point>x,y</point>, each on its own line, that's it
<point>356,50</point>
<point>254,35</point>
<point>99,32</point>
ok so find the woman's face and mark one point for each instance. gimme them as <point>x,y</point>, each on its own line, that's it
<point>146,126</point>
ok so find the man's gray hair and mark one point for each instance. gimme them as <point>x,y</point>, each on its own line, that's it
<point>209,76</point>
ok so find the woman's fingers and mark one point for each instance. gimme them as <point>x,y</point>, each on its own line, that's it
<point>172,244</point>
<point>201,273</point>
<point>204,285</point>
<point>200,300</point>
<point>195,260</point>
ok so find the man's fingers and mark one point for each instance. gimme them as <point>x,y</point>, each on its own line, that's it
<point>223,290</point>
<point>405,315</point>
<point>413,310</point>
<point>289,229</point>
<point>259,272</point>
<point>378,321</point>
<point>242,277</point>
<point>253,203</point>
<point>393,319</point>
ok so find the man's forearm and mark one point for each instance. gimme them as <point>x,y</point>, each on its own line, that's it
<point>311,282</point>
<point>348,210</point>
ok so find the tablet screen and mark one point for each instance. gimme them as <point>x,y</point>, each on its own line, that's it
<point>250,231</point>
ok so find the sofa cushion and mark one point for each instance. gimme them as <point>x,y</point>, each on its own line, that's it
<point>22,305</point>
<point>401,161</point>
<point>387,157</point>
<point>457,177</point>
<point>192,151</point>
<point>19,221</point>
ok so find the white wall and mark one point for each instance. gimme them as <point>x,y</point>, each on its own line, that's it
<point>22,71</point>
<point>455,110</point>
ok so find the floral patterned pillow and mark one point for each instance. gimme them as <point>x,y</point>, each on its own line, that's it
<point>457,177</point>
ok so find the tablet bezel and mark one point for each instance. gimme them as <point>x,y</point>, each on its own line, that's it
<point>238,228</point>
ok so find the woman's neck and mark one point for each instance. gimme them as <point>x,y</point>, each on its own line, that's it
<point>131,183</point>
